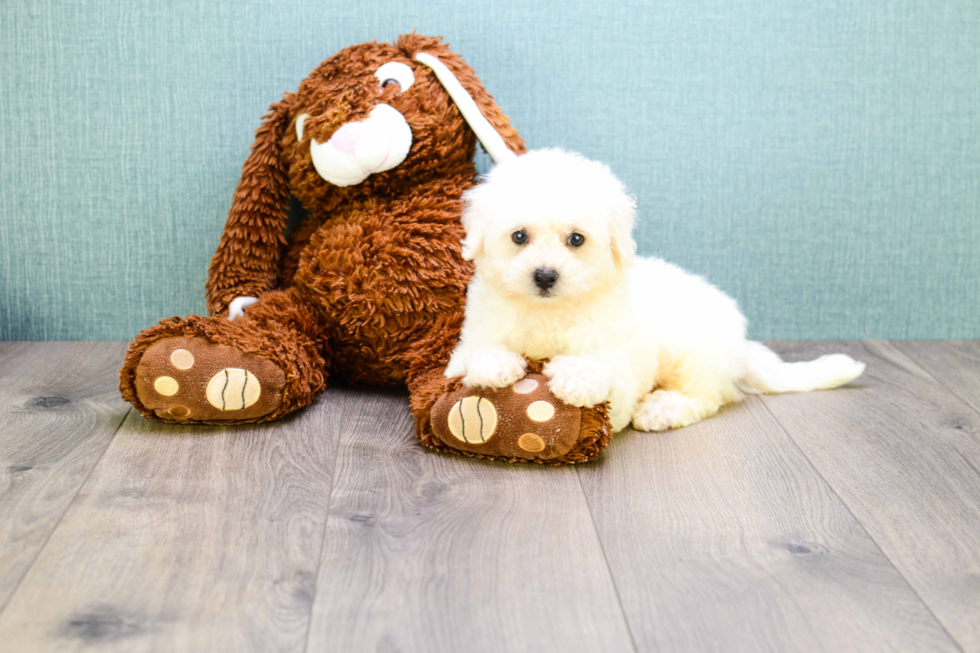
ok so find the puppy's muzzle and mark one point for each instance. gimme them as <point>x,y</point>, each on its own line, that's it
<point>545,278</point>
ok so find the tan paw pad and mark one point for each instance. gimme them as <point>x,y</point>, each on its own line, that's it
<point>473,419</point>
<point>166,385</point>
<point>182,359</point>
<point>233,389</point>
<point>541,411</point>
<point>531,442</point>
<point>525,386</point>
<point>179,412</point>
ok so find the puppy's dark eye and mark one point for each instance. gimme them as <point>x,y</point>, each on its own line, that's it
<point>519,237</point>
<point>576,240</point>
<point>388,82</point>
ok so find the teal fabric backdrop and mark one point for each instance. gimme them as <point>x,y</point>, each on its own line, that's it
<point>817,159</point>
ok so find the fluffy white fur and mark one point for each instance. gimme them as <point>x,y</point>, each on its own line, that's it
<point>665,347</point>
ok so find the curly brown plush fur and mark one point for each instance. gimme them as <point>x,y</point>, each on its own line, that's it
<point>370,287</point>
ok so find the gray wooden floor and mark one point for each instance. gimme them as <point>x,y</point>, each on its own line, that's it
<point>834,521</point>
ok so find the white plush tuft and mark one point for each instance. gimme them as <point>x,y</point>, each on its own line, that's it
<point>238,305</point>
<point>300,121</point>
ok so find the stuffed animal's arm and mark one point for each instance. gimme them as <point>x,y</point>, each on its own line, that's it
<point>248,256</point>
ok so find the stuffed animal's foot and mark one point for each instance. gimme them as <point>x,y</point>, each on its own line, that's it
<point>189,379</point>
<point>523,422</point>
<point>216,371</point>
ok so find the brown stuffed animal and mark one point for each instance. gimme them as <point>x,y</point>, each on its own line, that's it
<point>371,285</point>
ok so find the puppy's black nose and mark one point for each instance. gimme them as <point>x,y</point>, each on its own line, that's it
<point>545,278</point>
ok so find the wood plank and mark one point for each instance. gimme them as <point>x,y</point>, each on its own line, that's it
<point>955,364</point>
<point>903,453</point>
<point>722,537</point>
<point>59,408</point>
<point>187,539</point>
<point>433,552</point>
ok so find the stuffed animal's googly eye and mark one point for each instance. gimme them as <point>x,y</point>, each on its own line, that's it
<point>396,72</point>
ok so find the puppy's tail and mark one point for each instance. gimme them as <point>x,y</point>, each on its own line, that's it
<point>766,372</point>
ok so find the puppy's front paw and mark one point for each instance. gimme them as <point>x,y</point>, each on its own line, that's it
<point>494,368</point>
<point>581,381</point>
<point>665,409</point>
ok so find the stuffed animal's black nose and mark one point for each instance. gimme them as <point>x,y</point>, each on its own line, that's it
<point>545,278</point>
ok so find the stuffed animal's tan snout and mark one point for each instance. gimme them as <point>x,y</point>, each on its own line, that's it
<point>381,141</point>
<point>376,108</point>
<point>359,149</point>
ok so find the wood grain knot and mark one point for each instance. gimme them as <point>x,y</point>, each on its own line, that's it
<point>50,402</point>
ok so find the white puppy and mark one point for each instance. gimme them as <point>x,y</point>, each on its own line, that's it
<point>556,277</point>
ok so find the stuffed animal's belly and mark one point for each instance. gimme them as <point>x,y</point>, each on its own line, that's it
<point>374,338</point>
<point>371,343</point>
<point>382,362</point>
<point>382,293</point>
<point>386,277</point>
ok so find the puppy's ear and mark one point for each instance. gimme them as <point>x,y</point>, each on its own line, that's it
<point>473,246</point>
<point>621,231</point>
<point>474,219</point>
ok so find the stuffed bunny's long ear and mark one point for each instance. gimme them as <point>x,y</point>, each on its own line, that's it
<point>491,139</point>
<point>491,126</point>
<point>247,260</point>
